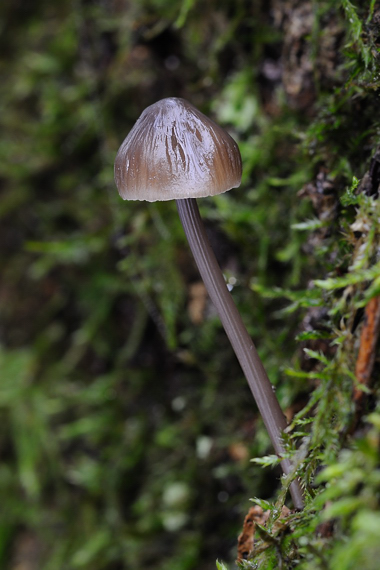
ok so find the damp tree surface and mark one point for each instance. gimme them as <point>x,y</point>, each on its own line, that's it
<point>128,438</point>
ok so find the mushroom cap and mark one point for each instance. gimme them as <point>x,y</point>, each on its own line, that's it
<point>174,151</point>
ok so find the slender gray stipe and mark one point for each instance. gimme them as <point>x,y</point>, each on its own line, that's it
<point>241,342</point>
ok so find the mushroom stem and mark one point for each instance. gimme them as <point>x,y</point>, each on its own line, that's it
<point>241,342</point>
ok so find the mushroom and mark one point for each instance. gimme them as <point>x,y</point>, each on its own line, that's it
<point>175,152</point>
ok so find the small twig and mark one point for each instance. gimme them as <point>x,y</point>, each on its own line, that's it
<point>367,351</point>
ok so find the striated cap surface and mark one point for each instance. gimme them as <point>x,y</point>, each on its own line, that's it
<point>174,151</point>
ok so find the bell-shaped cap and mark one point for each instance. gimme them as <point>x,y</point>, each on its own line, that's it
<point>174,151</point>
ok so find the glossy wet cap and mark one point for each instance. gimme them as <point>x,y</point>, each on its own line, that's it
<point>174,151</point>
